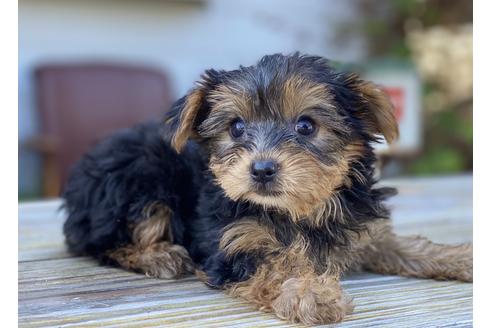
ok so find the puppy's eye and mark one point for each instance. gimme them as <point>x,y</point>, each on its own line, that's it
<point>305,126</point>
<point>237,128</point>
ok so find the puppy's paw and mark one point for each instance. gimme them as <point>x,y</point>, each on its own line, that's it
<point>312,301</point>
<point>160,260</point>
<point>166,261</point>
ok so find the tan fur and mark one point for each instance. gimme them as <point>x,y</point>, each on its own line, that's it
<point>202,276</point>
<point>287,285</point>
<point>152,251</point>
<point>161,260</point>
<point>380,115</point>
<point>231,99</point>
<point>308,187</point>
<point>312,299</point>
<point>380,250</point>
<point>416,256</point>
<point>304,183</point>
<point>300,95</point>
<point>156,226</point>
<point>185,129</point>
<point>247,236</point>
<point>352,154</point>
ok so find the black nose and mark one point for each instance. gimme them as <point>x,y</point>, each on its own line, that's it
<point>263,171</point>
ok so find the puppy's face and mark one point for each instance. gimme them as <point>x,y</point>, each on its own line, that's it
<point>284,133</point>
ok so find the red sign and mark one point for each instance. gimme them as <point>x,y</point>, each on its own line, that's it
<point>397,97</point>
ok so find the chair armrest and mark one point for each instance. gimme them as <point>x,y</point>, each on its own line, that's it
<point>47,147</point>
<point>43,144</point>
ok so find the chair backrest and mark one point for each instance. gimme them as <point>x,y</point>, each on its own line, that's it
<point>79,104</point>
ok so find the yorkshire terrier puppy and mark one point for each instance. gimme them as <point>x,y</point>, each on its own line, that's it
<point>261,181</point>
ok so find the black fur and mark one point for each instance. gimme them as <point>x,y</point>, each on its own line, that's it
<point>111,185</point>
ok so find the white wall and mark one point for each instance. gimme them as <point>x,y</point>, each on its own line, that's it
<point>181,37</point>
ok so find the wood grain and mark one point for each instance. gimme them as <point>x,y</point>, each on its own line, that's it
<point>58,290</point>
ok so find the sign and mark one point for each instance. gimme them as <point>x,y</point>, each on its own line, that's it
<point>403,86</point>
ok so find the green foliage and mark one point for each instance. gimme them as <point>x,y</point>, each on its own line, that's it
<point>438,160</point>
<point>448,131</point>
<point>448,143</point>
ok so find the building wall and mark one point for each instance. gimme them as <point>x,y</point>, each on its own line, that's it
<point>181,37</point>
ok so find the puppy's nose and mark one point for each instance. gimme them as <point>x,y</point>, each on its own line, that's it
<point>263,171</point>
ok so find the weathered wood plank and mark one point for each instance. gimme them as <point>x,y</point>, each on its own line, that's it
<point>58,290</point>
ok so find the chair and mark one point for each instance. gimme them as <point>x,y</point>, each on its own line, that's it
<point>79,104</point>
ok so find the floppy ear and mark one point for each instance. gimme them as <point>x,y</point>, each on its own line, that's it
<point>188,112</point>
<point>377,110</point>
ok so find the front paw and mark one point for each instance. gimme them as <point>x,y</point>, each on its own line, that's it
<point>314,300</point>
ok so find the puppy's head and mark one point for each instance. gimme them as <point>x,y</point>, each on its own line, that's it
<point>283,133</point>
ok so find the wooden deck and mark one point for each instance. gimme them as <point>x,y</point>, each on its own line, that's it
<point>58,290</point>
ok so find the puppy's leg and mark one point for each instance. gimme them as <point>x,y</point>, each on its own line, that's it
<point>418,257</point>
<point>294,293</point>
<point>152,251</point>
<point>285,282</point>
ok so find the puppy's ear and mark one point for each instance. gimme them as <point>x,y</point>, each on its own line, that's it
<point>188,112</point>
<point>376,109</point>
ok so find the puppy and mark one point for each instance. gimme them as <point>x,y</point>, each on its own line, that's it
<point>261,181</point>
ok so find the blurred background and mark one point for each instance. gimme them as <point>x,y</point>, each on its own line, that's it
<point>87,68</point>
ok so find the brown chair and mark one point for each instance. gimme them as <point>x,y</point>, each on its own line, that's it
<point>81,104</point>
